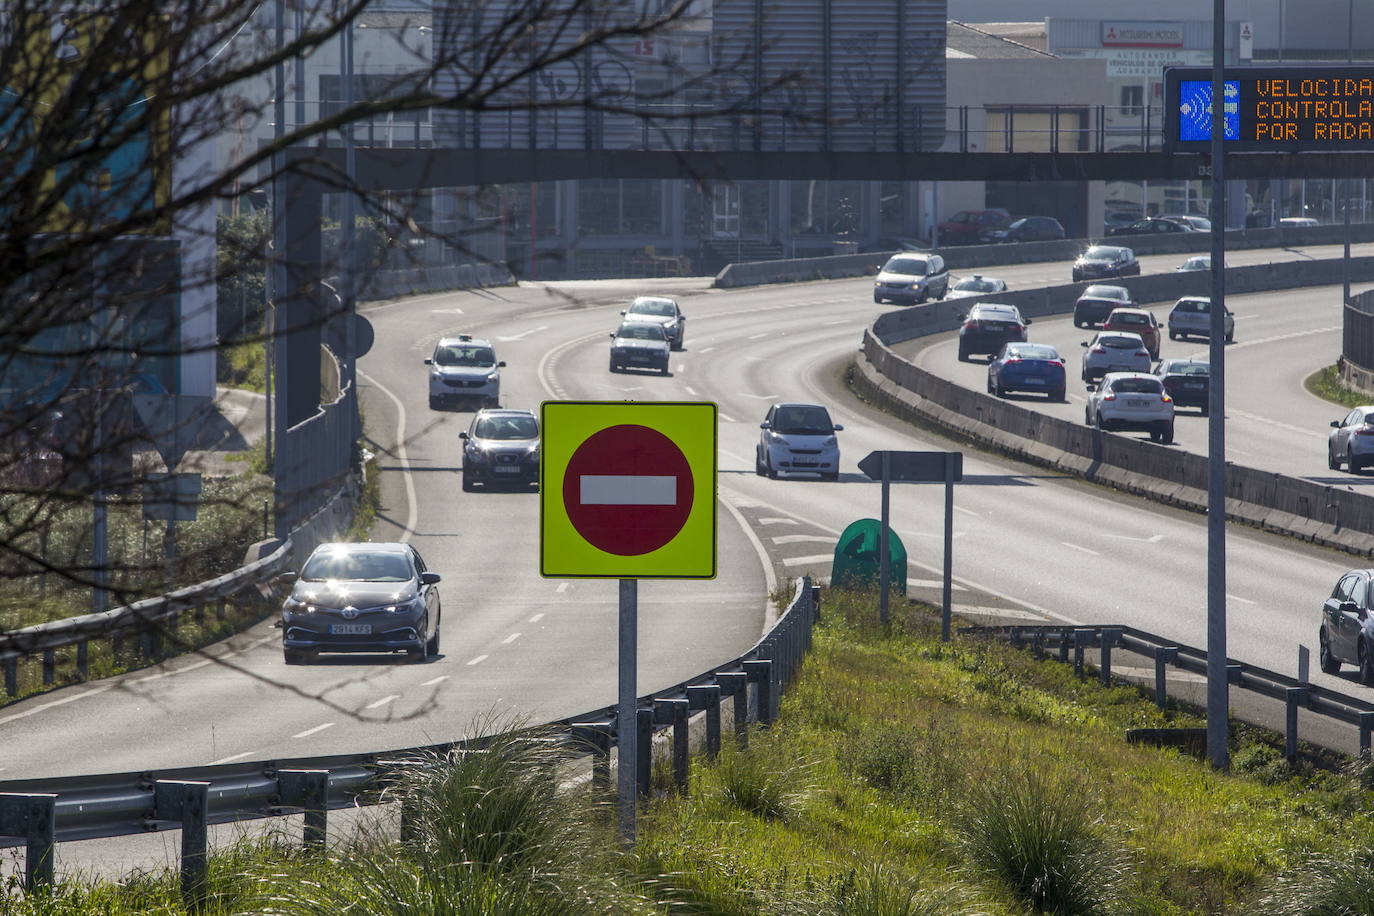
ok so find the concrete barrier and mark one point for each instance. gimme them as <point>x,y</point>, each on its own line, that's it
<point>1328,515</point>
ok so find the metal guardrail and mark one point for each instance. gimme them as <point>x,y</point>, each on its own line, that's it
<point>1166,653</point>
<point>39,813</point>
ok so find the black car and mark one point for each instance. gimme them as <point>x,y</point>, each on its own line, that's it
<point>1027,229</point>
<point>370,597</point>
<point>1101,262</point>
<point>501,447</point>
<point>1188,381</point>
<point>989,325</point>
<point>1347,627</point>
<point>1097,302</point>
<point>1153,225</point>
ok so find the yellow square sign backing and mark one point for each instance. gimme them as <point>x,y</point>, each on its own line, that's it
<point>627,490</point>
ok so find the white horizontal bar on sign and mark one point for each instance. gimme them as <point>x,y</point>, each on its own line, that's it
<point>628,490</point>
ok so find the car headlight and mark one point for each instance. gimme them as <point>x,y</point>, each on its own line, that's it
<point>775,437</point>
<point>293,604</point>
<point>830,441</point>
<point>493,376</point>
<point>414,604</point>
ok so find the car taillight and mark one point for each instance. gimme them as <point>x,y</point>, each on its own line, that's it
<point>1142,352</point>
<point>971,325</point>
<point>1166,399</point>
<point>1012,361</point>
<point>1109,396</point>
<point>1099,349</point>
<point>1365,431</point>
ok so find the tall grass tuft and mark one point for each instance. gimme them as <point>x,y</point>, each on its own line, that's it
<point>1328,884</point>
<point>877,890</point>
<point>761,783</point>
<point>1044,843</point>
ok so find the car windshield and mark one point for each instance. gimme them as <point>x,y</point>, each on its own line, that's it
<point>1101,253</point>
<point>1001,314</point>
<point>1136,386</point>
<point>912,267</point>
<point>1200,369</point>
<point>1120,343</point>
<point>360,565</point>
<point>1108,292</point>
<point>1034,353</point>
<point>802,420</point>
<point>641,331</point>
<point>1127,318</point>
<point>1198,263</point>
<point>1193,305</point>
<point>659,308</point>
<point>976,285</point>
<point>464,356</point>
<point>506,428</point>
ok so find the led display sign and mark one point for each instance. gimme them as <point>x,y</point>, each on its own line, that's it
<point>1272,109</point>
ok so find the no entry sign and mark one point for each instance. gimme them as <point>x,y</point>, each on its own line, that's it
<point>627,490</point>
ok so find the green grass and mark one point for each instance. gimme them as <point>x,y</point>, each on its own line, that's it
<point>905,777</point>
<point>1326,384</point>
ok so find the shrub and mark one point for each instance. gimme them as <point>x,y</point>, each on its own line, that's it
<point>755,781</point>
<point>1329,884</point>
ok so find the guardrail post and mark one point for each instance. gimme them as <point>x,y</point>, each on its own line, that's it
<point>187,802</point>
<point>49,666</point>
<point>1017,641</point>
<point>1366,729</point>
<point>1109,638</point>
<point>1063,647</point>
<point>1164,656</point>
<point>1080,639</point>
<point>219,609</point>
<point>706,698</point>
<point>1233,672</point>
<point>83,666</point>
<point>1038,644</point>
<point>33,818</point>
<point>644,722</point>
<point>674,712</point>
<point>12,676</point>
<point>597,736</point>
<point>735,685</point>
<point>815,611</point>
<point>1293,696</point>
<point>760,671</point>
<point>308,789</point>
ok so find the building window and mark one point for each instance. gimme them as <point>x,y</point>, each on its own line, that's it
<point>372,87</point>
<point>1132,100</point>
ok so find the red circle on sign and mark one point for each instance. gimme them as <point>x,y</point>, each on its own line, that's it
<point>628,489</point>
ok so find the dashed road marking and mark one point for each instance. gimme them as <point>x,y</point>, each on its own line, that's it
<point>229,759</point>
<point>1240,599</point>
<point>690,390</point>
<point>478,660</point>
<point>1083,549</point>
<point>775,520</point>
<point>562,587</point>
<point>934,583</point>
<point>313,731</point>
<point>435,680</point>
<point>383,701</point>
<point>799,538</point>
<point>510,639</point>
<point>807,561</point>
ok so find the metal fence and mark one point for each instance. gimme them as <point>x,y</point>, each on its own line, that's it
<point>1357,335</point>
<point>39,813</point>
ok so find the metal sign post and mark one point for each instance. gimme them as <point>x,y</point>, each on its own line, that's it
<point>627,700</point>
<point>920,467</point>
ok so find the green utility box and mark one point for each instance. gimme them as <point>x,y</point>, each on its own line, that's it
<point>856,558</point>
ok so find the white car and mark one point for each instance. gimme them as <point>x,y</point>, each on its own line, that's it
<point>912,277</point>
<point>1191,316</point>
<point>663,310</point>
<point>640,345</point>
<point>977,285</point>
<point>1351,441</point>
<point>798,439</point>
<point>1114,351</point>
<point>1132,401</point>
<point>1298,222</point>
<point>464,367</point>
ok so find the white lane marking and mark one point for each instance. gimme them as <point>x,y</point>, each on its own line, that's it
<point>1152,539</point>
<point>632,388</point>
<point>827,324</point>
<point>807,561</point>
<point>799,538</point>
<point>680,370</point>
<point>929,534</point>
<point>627,490</point>
<point>313,731</point>
<point>510,639</point>
<point>230,758</point>
<point>412,504</point>
<point>523,334</point>
<point>756,336</point>
<point>689,388</point>
<point>725,418</point>
<point>452,311</point>
<point>1240,599</point>
<point>435,680</point>
<point>761,397</point>
<point>478,660</point>
<point>934,583</point>
<point>1310,434</point>
<point>777,520</point>
<point>770,578</point>
<point>562,587</point>
<point>706,349</point>
<point>536,618</point>
<point>1083,549</point>
<point>383,701</point>
<point>62,702</point>
<point>965,511</point>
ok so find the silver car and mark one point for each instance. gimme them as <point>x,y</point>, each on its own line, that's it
<point>798,439</point>
<point>1114,351</point>
<point>1132,401</point>
<point>912,277</point>
<point>663,310</point>
<point>1351,441</point>
<point>977,285</point>
<point>464,367</point>
<point>1191,316</point>
<point>641,345</point>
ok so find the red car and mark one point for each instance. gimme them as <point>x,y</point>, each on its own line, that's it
<point>967,226</point>
<point>1136,321</point>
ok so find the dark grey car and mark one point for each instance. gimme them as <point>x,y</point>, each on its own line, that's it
<point>1347,627</point>
<point>370,597</point>
<point>501,447</point>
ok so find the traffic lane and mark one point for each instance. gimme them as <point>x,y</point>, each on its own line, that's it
<point>1052,543</point>
<point>1281,337</point>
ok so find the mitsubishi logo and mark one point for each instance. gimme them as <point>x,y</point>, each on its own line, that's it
<point>350,612</point>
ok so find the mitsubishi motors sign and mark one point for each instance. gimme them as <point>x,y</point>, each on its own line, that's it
<point>1142,35</point>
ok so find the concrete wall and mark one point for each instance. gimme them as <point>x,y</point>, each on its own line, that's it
<point>1331,516</point>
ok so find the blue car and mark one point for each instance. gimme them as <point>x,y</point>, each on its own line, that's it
<point>1027,367</point>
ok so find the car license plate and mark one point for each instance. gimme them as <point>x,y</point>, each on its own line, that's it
<point>1136,402</point>
<point>1194,385</point>
<point>1035,381</point>
<point>803,464</point>
<point>1119,369</point>
<point>507,470</point>
<point>350,629</point>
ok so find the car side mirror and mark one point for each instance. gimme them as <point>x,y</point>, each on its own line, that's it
<point>839,427</point>
<point>463,434</point>
<point>429,362</point>
<point>1349,607</point>
<point>501,364</point>
<point>1336,424</point>
<point>286,578</point>
<point>1082,343</point>
<point>622,311</point>
<point>611,336</point>
<point>1027,320</point>
<point>429,578</point>
<point>765,425</point>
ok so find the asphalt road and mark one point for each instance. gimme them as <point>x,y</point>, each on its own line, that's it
<point>1029,545</point>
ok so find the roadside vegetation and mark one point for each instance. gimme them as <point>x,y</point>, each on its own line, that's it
<point>905,776</point>
<point>1326,384</point>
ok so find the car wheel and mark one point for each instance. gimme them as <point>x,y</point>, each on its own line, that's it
<point>432,646</point>
<point>1087,416</point>
<point>1231,337</point>
<point>663,370</point>
<point>1329,662</point>
<point>963,354</point>
<point>493,402</point>
<point>1352,464</point>
<point>878,299</point>
<point>832,476</point>
<point>759,469</point>
<point>919,300</point>
<point>999,390</point>
<point>295,656</point>
<point>1166,434</point>
<point>768,468</point>
<point>435,403</point>
<point>467,483</point>
<point>1203,410</point>
<point>1077,322</point>
<point>1059,395</point>
<point>1332,461</point>
<point>1173,335</point>
<point>1366,663</point>
<point>416,654</point>
<point>614,367</point>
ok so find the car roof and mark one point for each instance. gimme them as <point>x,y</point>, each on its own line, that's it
<point>463,339</point>
<point>373,546</point>
<point>1129,310</point>
<point>1185,362</point>
<point>503,412</point>
<point>1095,291</point>
<point>638,299</point>
<point>997,307</point>
<point>1114,376</point>
<point>1206,299</point>
<point>799,404</point>
<point>1101,335</point>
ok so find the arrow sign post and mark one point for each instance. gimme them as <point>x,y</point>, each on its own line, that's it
<point>918,467</point>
